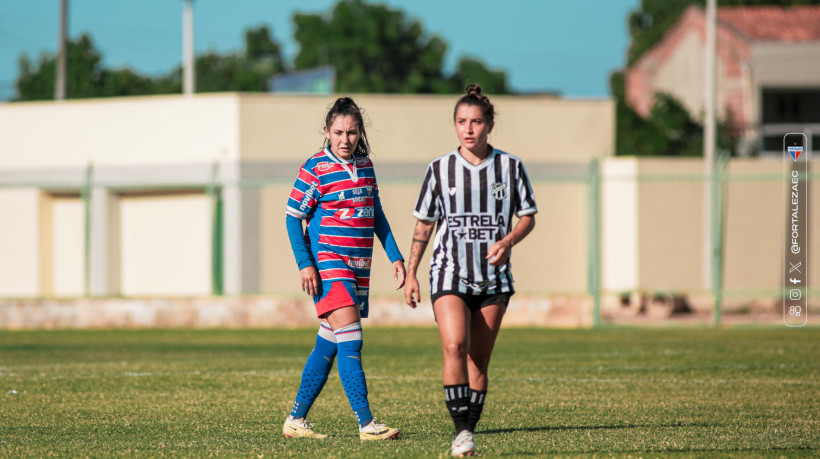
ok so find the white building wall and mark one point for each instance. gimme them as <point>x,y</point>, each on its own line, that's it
<point>19,242</point>
<point>119,131</point>
<point>619,232</point>
<point>68,236</point>
<point>166,244</point>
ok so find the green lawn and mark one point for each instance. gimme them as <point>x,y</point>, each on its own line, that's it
<point>621,392</point>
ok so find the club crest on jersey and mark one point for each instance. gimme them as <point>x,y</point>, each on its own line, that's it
<point>499,190</point>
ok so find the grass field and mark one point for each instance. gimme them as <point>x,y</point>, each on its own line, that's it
<point>611,392</point>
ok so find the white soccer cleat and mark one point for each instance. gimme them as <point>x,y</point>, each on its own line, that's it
<point>376,431</point>
<point>300,428</point>
<point>463,445</point>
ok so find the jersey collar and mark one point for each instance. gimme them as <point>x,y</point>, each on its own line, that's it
<point>349,166</point>
<point>482,164</point>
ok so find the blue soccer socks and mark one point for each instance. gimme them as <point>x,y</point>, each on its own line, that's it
<point>316,370</point>
<point>349,344</point>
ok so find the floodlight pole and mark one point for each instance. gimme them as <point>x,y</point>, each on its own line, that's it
<point>188,70</point>
<point>62,61</point>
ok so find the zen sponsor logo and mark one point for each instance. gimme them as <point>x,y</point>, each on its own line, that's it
<point>345,214</point>
<point>362,161</point>
<point>348,213</point>
<point>324,166</point>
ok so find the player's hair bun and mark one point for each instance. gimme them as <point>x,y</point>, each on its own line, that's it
<point>473,90</point>
<point>474,97</point>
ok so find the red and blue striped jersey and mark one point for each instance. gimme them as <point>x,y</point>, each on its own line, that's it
<point>339,200</point>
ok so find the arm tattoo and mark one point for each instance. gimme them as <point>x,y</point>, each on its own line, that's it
<point>420,241</point>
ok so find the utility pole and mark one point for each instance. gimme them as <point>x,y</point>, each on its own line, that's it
<point>62,51</point>
<point>709,147</point>
<point>188,71</point>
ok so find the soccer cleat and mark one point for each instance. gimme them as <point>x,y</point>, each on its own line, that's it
<point>463,445</point>
<point>300,428</point>
<point>376,431</point>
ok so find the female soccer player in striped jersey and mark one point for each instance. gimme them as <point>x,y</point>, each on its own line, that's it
<point>336,193</point>
<point>473,192</point>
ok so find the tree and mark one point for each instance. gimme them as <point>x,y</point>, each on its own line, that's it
<point>86,76</point>
<point>378,49</point>
<point>36,82</point>
<point>374,49</point>
<point>246,71</point>
<point>472,70</point>
<point>669,130</point>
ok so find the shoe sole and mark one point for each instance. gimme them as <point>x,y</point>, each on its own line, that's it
<point>391,437</point>
<point>468,453</point>
<point>294,436</point>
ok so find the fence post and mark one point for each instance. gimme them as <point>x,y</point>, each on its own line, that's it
<point>718,238</point>
<point>85,195</point>
<point>594,239</point>
<point>215,193</point>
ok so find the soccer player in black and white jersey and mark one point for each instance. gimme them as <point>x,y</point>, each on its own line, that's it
<point>472,194</point>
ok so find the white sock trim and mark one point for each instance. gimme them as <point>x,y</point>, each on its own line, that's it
<point>350,332</point>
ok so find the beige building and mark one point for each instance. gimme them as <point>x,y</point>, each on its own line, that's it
<point>186,194</point>
<point>184,197</point>
<point>767,77</point>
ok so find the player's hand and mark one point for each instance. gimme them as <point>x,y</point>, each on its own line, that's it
<point>399,273</point>
<point>310,280</point>
<point>411,291</point>
<point>499,253</point>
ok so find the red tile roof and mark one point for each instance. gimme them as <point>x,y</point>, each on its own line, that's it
<point>797,23</point>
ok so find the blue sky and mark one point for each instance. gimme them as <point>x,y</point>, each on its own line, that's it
<point>569,46</point>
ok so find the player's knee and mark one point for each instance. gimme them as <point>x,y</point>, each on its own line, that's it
<point>455,350</point>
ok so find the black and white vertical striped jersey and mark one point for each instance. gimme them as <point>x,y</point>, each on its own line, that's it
<point>473,206</point>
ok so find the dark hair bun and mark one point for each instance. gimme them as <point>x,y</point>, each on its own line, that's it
<point>473,90</point>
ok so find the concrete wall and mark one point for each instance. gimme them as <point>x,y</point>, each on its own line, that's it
<point>151,223</point>
<point>119,131</point>
<point>264,127</point>
<point>418,128</point>
<point>20,246</point>
<point>150,161</point>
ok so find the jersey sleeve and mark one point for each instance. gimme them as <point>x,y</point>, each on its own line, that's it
<point>305,193</point>
<point>428,206</point>
<point>383,232</point>
<point>298,244</point>
<point>525,197</point>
